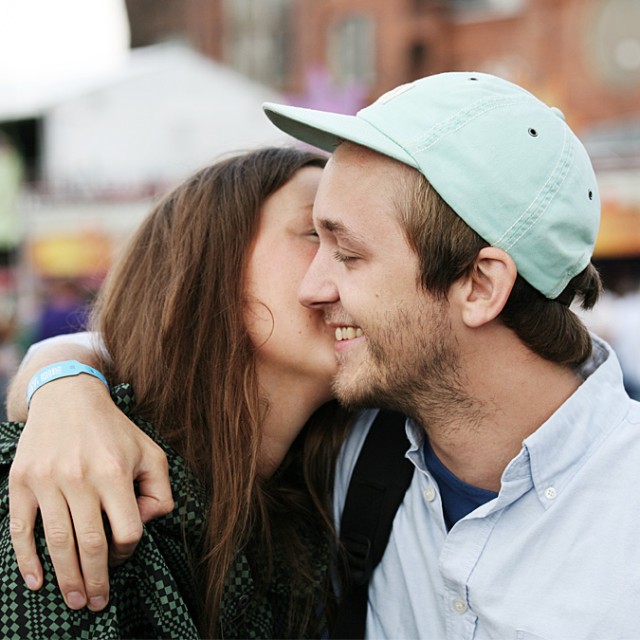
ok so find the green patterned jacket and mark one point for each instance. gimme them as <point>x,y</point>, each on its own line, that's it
<point>152,594</point>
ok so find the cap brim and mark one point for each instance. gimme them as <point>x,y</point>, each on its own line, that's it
<point>327,130</point>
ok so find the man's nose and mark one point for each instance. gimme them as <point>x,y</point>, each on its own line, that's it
<point>317,287</point>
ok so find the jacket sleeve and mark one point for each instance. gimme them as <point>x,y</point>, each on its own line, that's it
<point>145,600</point>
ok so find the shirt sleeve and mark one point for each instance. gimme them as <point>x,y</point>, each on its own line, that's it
<point>88,339</point>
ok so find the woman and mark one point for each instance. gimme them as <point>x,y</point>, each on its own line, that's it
<point>200,316</point>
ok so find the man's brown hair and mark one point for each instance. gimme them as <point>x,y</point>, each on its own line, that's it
<point>447,248</point>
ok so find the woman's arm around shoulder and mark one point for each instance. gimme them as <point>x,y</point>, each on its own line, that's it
<point>77,458</point>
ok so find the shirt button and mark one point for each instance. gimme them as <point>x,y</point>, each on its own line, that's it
<point>429,493</point>
<point>550,493</point>
<point>459,606</point>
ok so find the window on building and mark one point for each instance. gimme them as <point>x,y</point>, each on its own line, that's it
<point>351,54</point>
<point>418,58</point>
<point>258,39</point>
<point>612,43</point>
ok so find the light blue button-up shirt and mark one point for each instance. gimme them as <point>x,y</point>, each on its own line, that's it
<point>555,556</point>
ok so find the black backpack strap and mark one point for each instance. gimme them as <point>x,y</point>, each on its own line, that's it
<point>379,481</point>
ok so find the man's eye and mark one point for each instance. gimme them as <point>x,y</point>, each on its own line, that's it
<point>341,257</point>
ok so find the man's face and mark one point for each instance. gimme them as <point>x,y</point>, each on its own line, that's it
<point>392,338</point>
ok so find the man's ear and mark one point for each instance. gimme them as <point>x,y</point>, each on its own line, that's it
<point>484,292</point>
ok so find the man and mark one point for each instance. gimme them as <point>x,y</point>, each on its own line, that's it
<point>457,218</point>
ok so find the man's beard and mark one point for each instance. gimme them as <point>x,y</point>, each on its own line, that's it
<point>415,370</point>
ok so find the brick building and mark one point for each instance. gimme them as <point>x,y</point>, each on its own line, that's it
<point>582,55</point>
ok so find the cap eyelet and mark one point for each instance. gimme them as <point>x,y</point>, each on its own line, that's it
<point>474,79</point>
<point>533,133</point>
<point>590,194</point>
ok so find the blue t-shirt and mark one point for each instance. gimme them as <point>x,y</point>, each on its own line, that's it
<point>458,497</point>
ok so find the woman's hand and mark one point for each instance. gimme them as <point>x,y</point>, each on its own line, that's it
<point>77,458</point>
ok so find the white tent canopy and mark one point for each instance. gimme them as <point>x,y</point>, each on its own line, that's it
<point>167,112</point>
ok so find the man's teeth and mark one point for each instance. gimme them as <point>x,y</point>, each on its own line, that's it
<point>348,333</point>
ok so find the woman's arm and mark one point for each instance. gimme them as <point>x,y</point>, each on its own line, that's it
<point>77,458</point>
<point>79,346</point>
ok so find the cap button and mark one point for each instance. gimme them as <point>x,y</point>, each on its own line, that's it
<point>558,113</point>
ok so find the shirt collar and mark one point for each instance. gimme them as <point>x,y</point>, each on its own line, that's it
<point>552,455</point>
<point>557,450</point>
<point>416,436</point>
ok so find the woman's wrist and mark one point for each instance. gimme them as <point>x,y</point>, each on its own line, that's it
<point>57,370</point>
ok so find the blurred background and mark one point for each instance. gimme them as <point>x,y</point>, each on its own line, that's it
<point>106,104</point>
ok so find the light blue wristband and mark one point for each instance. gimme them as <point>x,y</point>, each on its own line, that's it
<point>60,370</point>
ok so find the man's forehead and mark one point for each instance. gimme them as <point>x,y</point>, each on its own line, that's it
<point>352,167</point>
<point>358,156</point>
<point>357,184</point>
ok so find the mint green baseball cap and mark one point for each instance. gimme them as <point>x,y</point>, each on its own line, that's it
<point>504,161</point>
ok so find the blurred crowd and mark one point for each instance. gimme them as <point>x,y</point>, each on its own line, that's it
<point>62,306</point>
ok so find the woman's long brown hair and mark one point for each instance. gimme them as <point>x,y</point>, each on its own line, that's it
<point>171,316</point>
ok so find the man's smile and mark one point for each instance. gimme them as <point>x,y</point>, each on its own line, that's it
<point>348,333</point>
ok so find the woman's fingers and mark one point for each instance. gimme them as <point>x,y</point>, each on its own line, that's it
<point>107,489</point>
<point>81,583</point>
<point>154,489</point>
<point>93,550</point>
<point>23,512</point>
<point>121,508</point>
<point>61,543</point>
<point>75,536</point>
